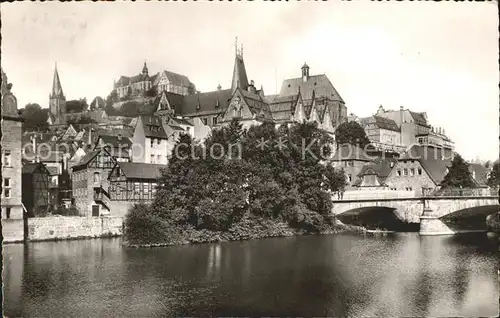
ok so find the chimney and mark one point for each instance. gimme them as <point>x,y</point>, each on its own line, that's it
<point>90,136</point>
<point>35,152</point>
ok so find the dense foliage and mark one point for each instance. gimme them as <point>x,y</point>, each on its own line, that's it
<point>77,106</point>
<point>458,175</point>
<point>35,118</point>
<point>239,177</point>
<point>351,133</point>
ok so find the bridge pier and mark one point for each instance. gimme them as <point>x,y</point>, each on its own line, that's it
<point>430,224</point>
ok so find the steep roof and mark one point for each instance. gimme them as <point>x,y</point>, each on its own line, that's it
<point>381,168</point>
<point>350,152</point>
<point>256,105</point>
<point>177,79</point>
<point>135,170</point>
<point>86,159</point>
<point>153,127</point>
<point>386,123</point>
<point>418,118</point>
<point>479,173</point>
<point>207,103</point>
<point>320,84</point>
<point>32,167</point>
<point>282,107</point>
<point>430,159</point>
<point>240,79</point>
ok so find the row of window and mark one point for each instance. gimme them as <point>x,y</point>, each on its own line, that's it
<point>132,191</point>
<point>6,188</point>
<point>154,141</point>
<point>156,159</point>
<point>7,158</point>
<point>409,171</point>
<point>80,192</point>
<point>214,120</point>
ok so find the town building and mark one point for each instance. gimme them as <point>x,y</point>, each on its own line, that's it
<point>150,141</point>
<point>118,146</point>
<point>36,193</point>
<point>310,98</point>
<point>90,183</point>
<point>373,175</point>
<point>384,134</point>
<point>129,86</point>
<point>11,197</point>
<point>417,169</point>
<point>415,129</point>
<point>351,159</point>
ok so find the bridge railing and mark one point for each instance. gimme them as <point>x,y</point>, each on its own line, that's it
<point>375,194</point>
<point>468,192</point>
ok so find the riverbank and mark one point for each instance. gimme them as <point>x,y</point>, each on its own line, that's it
<point>248,230</point>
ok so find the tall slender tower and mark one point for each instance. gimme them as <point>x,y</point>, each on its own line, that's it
<point>57,100</point>
<point>240,78</point>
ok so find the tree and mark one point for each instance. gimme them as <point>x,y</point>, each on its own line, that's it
<point>84,120</point>
<point>77,106</point>
<point>35,118</point>
<point>493,180</point>
<point>351,133</point>
<point>458,175</point>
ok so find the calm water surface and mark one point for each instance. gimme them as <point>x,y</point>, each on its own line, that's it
<point>336,275</point>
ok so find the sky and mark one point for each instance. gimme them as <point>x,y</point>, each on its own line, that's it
<point>439,58</point>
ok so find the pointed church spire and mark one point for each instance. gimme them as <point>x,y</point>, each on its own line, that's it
<point>145,69</point>
<point>240,79</point>
<point>56,85</point>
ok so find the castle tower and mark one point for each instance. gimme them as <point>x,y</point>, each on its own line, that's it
<point>57,100</point>
<point>239,73</point>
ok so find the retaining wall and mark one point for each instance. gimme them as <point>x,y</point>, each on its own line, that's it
<point>71,227</point>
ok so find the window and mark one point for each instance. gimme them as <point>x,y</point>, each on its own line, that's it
<point>152,160</point>
<point>97,178</point>
<point>214,121</point>
<point>6,186</point>
<point>399,172</point>
<point>7,158</point>
<point>7,213</point>
<point>153,188</point>
<point>158,158</point>
<point>405,171</point>
<point>349,177</point>
<point>205,121</point>
<point>419,170</point>
<point>152,142</point>
<point>412,171</point>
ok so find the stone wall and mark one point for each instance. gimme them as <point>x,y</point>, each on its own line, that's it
<point>60,228</point>
<point>12,230</point>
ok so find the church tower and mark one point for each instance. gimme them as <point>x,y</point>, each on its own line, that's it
<point>57,100</point>
<point>239,73</point>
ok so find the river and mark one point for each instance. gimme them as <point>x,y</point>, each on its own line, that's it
<point>330,275</point>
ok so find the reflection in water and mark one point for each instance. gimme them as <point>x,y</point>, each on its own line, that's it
<point>338,275</point>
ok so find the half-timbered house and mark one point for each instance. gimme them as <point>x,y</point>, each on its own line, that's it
<point>35,184</point>
<point>134,182</point>
<point>90,183</point>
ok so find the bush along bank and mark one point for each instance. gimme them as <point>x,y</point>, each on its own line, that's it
<point>243,189</point>
<point>145,230</point>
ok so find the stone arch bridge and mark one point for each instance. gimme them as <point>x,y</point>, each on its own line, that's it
<point>432,212</point>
